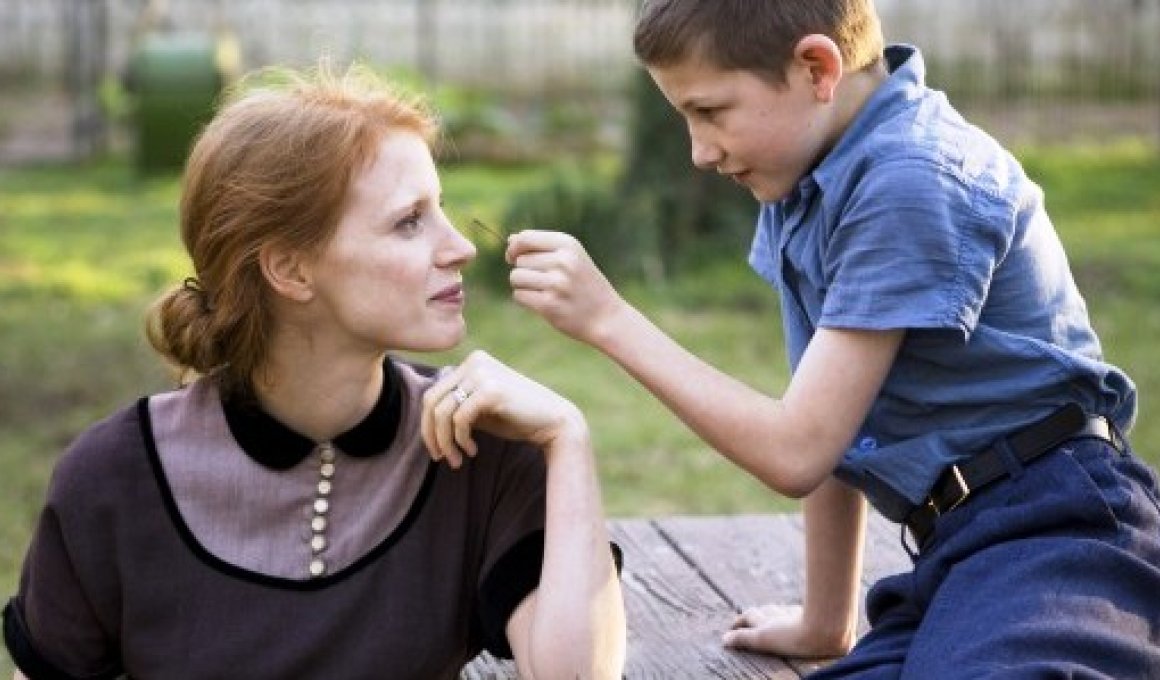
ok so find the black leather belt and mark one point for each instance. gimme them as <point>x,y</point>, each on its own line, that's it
<point>958,482</point>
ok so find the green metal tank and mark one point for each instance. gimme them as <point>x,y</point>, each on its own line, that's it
<point>175,80</point>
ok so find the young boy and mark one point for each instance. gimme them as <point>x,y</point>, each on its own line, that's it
<point>944,366</point>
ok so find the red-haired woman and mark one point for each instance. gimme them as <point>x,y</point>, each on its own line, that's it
<point>287,512</point>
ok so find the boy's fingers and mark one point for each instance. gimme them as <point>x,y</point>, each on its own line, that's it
<point>534,240</point>
<point>743,620</point>
<point>533,299</point>
<point>527,279</point>
<point>539,260</point>
<point>742,638</point>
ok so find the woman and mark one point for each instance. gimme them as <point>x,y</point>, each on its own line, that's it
<point>285,514</point>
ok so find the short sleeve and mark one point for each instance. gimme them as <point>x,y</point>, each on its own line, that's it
<point>50,628</point>
<point>911,250</point>
<point>514,548</point>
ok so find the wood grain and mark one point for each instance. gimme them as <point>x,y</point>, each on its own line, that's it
<point>685,579</point>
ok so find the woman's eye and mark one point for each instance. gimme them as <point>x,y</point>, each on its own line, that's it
<point>410,223</point>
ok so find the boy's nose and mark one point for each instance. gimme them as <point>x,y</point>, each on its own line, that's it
<point>706,156</point>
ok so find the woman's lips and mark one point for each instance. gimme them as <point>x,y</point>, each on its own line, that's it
<point>451,294</point>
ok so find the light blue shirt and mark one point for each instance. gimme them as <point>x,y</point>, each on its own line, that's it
<point>917,220</point>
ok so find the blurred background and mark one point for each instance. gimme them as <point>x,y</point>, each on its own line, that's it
<point>549,122</point>
<point>65,64</point>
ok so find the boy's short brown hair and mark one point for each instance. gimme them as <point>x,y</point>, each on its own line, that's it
<point>755,35</point>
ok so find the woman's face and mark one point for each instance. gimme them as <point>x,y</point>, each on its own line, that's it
<point>390,278</point>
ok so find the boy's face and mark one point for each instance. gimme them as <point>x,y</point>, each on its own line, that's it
<point>765,137</point>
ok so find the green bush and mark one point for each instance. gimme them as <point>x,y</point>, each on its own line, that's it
<point>621,238</point>
<point>659,217</point>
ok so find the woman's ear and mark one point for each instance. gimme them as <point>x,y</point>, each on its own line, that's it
<point>287,273</point>
<point>822,59</point>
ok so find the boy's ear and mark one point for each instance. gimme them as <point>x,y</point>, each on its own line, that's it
<point>822,60</point>
<point>287,272</point>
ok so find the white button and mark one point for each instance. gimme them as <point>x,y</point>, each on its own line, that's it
<point>324,487</point>
<point>318,543</point>
<point>321,505</point>
<point>317,567</point>
<point>318,524</point>
<point>326,453</point>
<point>327,470</point>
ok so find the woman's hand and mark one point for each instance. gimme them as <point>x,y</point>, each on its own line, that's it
<point>782,630</point>
<point>484,393</point>
<point>553,276</point>
<point>573,624</point>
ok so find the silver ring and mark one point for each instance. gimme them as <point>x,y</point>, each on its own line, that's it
<point>460,395</point>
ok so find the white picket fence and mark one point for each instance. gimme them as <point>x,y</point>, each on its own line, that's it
<point>506,44</point>
<point>584,44</point>
<point>1009,56</point>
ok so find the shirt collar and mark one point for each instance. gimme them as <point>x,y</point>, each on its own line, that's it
<point>905,83</point>
<point>274,445</point>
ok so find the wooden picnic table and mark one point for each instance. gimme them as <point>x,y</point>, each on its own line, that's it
<point>686,578</point>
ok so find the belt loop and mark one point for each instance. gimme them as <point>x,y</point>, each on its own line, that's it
<point>912,552</point>
<point>1010,460</point>
<point>1119,441</point>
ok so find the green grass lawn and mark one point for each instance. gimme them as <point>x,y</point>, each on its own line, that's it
<point>84,249</point>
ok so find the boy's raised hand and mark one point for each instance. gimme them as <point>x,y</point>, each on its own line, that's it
<point>553,276</point>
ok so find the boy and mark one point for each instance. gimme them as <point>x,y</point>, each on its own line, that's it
<point>944,366</point>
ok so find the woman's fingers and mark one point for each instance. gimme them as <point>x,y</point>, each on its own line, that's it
<point>469,406</point>
<point>451,407</point>
<point>444,434</point>
<point>440,403</point>
<point>484,395</point>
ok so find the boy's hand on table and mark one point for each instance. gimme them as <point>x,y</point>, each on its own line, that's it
<point>781,630</point>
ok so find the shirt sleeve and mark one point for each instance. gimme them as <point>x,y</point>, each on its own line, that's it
<point>50,629</point>
<point>915,247</point>
<point>514,548</point>
<point>514,553</point>
<point>63,621</point>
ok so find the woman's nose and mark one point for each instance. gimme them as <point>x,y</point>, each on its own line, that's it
<point>456,249</point>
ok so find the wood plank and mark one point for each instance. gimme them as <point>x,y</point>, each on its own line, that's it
<point>884,553</point>
<point>750,559</point>
<point>487,667</point>
<point>675,618</point>
<point>759,559</point>
<point>686,578</point>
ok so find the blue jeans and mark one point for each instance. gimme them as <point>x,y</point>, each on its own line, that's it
<point>1051,573</point>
